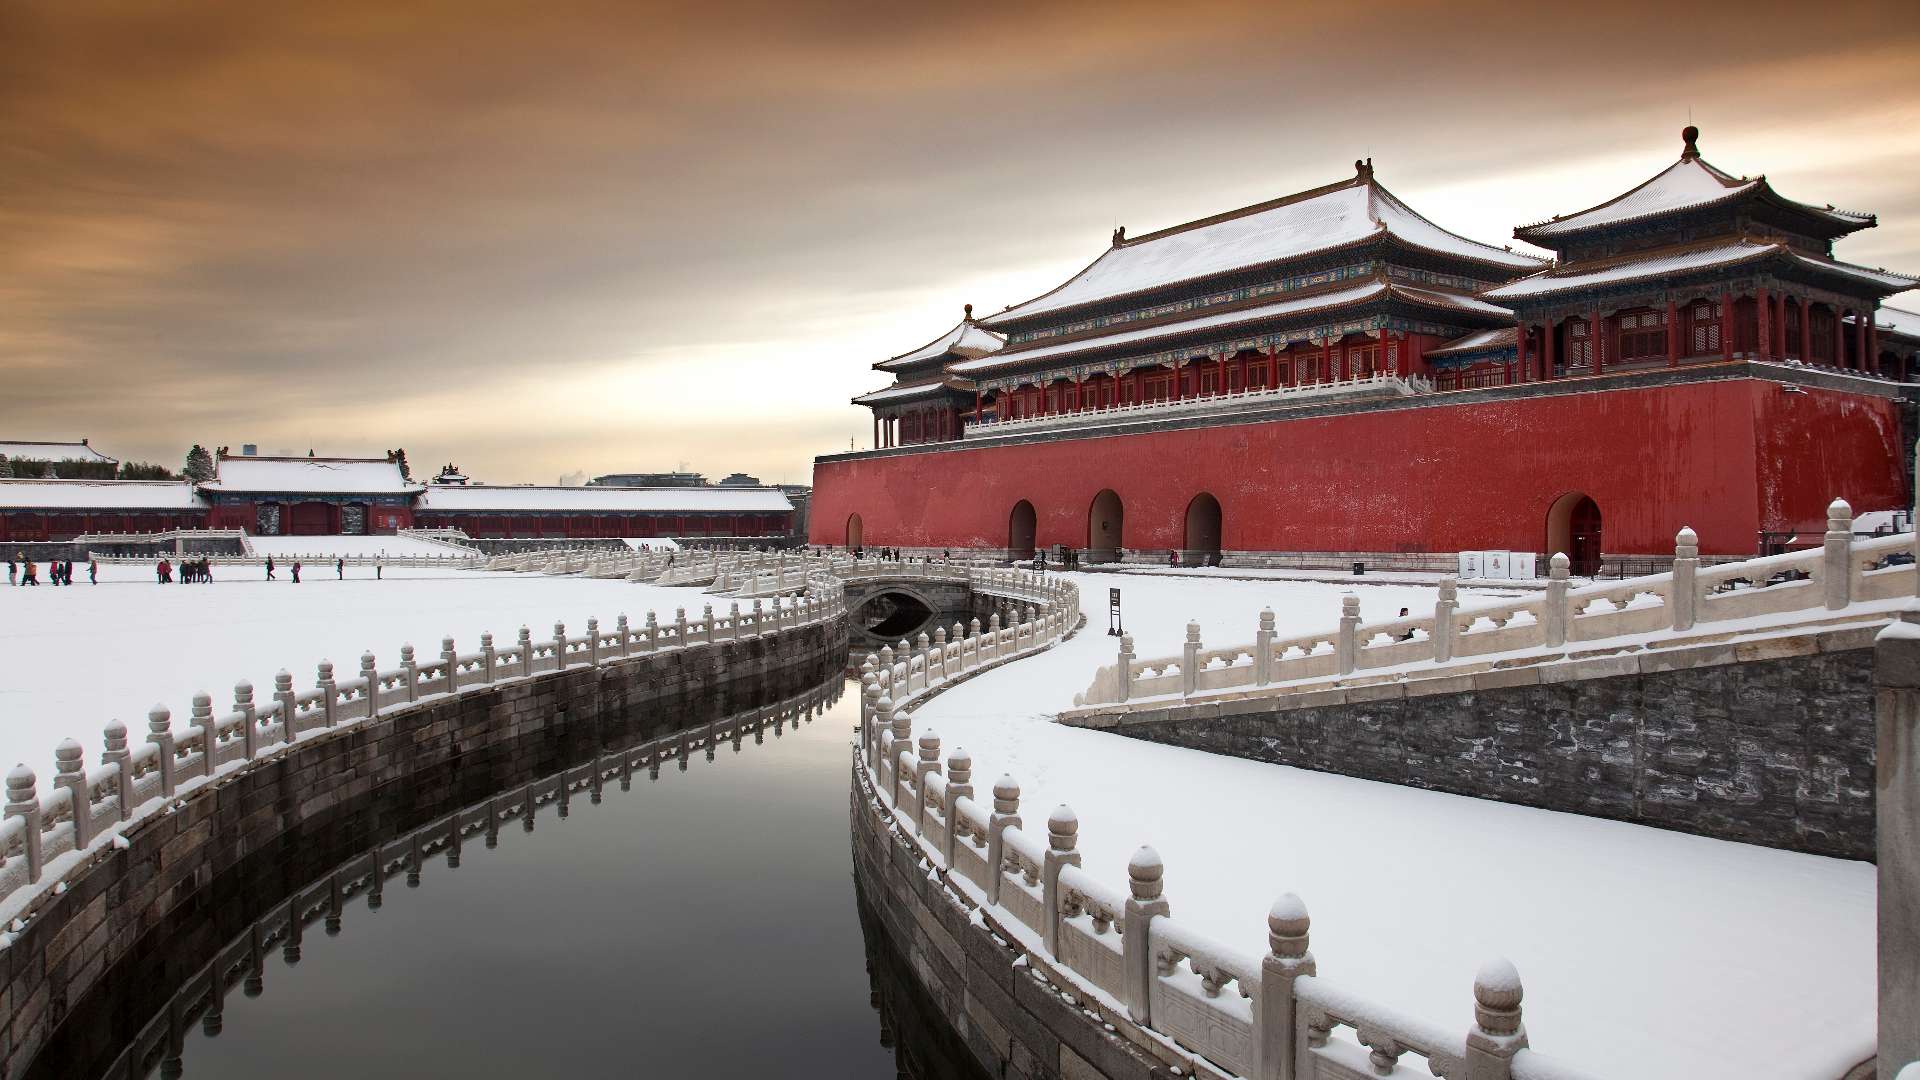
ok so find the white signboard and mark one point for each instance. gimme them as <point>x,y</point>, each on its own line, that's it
<point>1521,565</point>
<point>1493,564</point>
<point>1469,564</point>
<point>1498,565</point>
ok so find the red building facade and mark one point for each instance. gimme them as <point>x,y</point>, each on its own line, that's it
<point>1331,372</point>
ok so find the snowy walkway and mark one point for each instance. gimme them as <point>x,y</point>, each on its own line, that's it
<point>78,657</point>
<point>1646,953</point>
<point>287,547</point>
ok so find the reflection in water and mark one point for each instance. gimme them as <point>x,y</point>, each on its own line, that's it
<point>705,926</point>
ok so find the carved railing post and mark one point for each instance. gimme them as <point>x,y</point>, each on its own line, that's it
<point>653,632</point>
<point>1346,644</point>
<point>1836,562</point>
<point>410,673</point>
<point>900,724</point>
<point>1274,1010</point>
<point>450,665</point>
<point>928,764</point>
<point>1123,670</point>
<point>324,682</point>
<point>1683,596</point>
<point>1006,812</point>
<point>1263,649</point>
<point>1896,681</point>
<point>249,720</point>
<point>160,734</point>
<point>593,640</point>
<point>289,703</point>
<point>1144,903</point>
<point>1063,826</point>
<point>559,646</point>
<point>1554,614</point>
<point>70,772</point>
<point>1497,1033</point>
<point>23,801</point>
<point>959,785</point>
<point>1190,660</point>
<point>202,722</point>
<point>370,675</point>
<point>116,754</point>
<point>883,738</point>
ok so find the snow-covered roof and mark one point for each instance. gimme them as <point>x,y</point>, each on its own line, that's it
<point>1688,184</point>
<point>1293,306</point>
<point>907,392</point>
<point>52,451</point>
<point>327,476</point>
<point>1898,321</point>
<point>965,339</point>
<point>605,500</point>
<point>1479,341</point>
<point>98,495</point>
<point>1687,261</point>
<point>1340,215</point>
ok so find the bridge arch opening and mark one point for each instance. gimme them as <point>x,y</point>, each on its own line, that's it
<point>1203,531</point>
<point>1106,520</point>
<point>894,615</point>
<point>1574,527</point>
<point>856,533</point>
<point>1021,525</point>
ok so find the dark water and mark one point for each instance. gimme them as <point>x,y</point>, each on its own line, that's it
<point>704,923</point>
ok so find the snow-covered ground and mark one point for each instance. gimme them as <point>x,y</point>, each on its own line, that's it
<point>317,547</point>
<point>78,657</point>
<point>1645,953</point>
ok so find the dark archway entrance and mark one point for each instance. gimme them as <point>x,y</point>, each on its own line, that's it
<point>1203,531</point>
<point>856,533</point>
<point>1106,520</point>
<point>1574,527</point>
<point>1020,530</point>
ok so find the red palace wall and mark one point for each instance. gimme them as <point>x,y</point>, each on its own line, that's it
<point>1729,457</point>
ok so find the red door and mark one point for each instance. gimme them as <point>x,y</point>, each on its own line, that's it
<point>311,519</point>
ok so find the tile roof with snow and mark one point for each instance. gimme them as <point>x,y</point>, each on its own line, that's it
<point>1340,215</point>
<point>98,495</point>
<point>53,451</point>
<point>315,475</point>
<point>1688,184</point>
<point>907,392</point>
<point>966,339</point>
<point>1299,304</point>
<point>1690,260</point>
<point>1897,321</point>
<point>1480,341</point>
<point>448,498</point>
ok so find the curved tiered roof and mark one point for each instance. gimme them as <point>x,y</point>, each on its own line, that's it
<point>1341,215</point>
<point>1716,255</point>
<point>1687,185</point>
<point>966,340</point>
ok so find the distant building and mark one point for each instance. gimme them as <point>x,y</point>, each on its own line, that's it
<point>650,479</point>
<point>740,479</point>
<point>451,474</point>
<point>73,460</point>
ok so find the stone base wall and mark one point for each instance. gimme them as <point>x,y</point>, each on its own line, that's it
<point>114,905</point>
<point>1770,743</point>
<point>1014,1024</point>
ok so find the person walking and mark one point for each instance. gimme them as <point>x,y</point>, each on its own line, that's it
<point>269,568</point>
<point>296,571</point>
<point>163,572</point>
<point>13,572</point>
<point>93,571</point>
<point>340,567</point>
<point>379,569</point>
<point>30,579</point>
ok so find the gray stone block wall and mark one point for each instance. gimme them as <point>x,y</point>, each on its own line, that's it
<point>1777,752</point>
<point>124,895</point>
<point>1014,1025</point>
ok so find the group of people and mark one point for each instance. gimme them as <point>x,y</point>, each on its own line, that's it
<point>23,571</point>
<point>192,572</point>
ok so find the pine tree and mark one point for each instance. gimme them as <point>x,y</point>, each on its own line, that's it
<point>400,459</point>
<point>6,470</point>
<point>199,467</point>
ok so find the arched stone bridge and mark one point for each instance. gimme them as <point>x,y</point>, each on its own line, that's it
<point>888,601</point>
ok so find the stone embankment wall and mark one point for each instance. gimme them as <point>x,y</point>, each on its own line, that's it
<point>1769,742</point>
<point>107,908</point>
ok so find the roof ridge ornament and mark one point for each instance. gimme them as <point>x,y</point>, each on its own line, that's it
<point>968,309</point>
<point>1690,143</point>
<point>1119,236</point>
<point>1363,168</point>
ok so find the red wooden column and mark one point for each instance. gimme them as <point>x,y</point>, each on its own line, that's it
<point>876,431</point>
<point>1546,352</point>
<point>976,406</point>
<point>1860,354</point>
<point>1873,342</point>
<point>1780,326</point>
<point>1673,334</point>
<point>1520,334</point>
<point>1839,340</point>
<point>1763,323</point>
<point>1596,339</point>
<point>1220,375</point>
<point>1806,332</point>
<point>1726,326</point>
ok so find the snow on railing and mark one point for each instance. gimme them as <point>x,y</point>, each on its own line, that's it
<point>308,560</point>
<point>1404,386</point>
<point>1270,1015</point>
<point>1843,570</point>
<point>445,841</point>
<point>133,780</point>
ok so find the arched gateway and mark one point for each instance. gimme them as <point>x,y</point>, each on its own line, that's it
<point>1573,527</point>
<point>1202,543</point>
<point>1021,525</point>
<point>856,533</point>
<point>1106,520</point>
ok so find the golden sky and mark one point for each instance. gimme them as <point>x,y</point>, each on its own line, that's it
<point>552,237</point>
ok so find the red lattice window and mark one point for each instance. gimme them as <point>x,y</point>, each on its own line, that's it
<point>1643,336</point>
<point>1579,352</point>
<point>1706,328</point>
